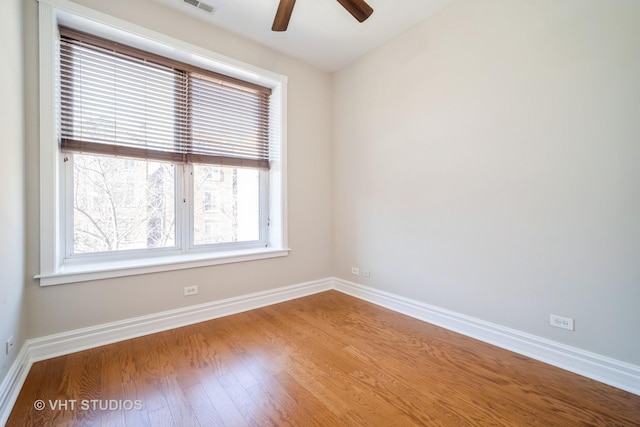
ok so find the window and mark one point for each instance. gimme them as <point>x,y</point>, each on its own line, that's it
<point>165,158</point>
<point>120,205</point>
<point>158,116</point>
<point>234,204</point>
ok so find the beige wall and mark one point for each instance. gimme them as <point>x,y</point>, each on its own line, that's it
<point>65,307</point>
<point>12,249</point>
<point>488,161</point>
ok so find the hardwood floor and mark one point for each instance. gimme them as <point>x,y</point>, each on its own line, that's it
<point>322,360</point>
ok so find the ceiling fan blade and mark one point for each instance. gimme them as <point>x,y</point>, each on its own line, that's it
<point>283,15</point>
<point>358,8</point>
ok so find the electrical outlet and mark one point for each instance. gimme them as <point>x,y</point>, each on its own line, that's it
<point>366,274</point>
<point>190,290</point>
<point>355,270</point>
<point>561,322</point>
<point>9,346</point>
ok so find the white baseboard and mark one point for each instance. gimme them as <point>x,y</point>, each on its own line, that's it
<point>606,370</point>
<point>600,368</point>
<point>12,383</point>
<point>107,333</point>
<point>42,348</point>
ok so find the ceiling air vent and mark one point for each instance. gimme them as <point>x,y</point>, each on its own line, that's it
<point>200,5</point>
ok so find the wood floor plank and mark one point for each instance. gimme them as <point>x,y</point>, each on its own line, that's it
<point>162,417</point>
<point>203,408</point>
<point>293,402</point>
<point>147,375</point>
<point>110,407</point>
<point>332,370</point>
<point>273,410</point>
<point>178,402</point>
<point>404,397</point>
<point>223,351</point>
<point>327,359</point>
<point>28,394</point>
<point>306,374</point>
<point>139,415</point>
<point>133,389</point>
<point>243,401</point>
<point>383,377</point>
<point>188,353</point>
<point>49,392</point>
<point>226,408</point>
<point>384,388</point>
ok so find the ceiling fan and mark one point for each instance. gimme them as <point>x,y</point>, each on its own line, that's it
<point>358,8</point>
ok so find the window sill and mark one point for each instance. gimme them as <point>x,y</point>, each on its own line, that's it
<point>107,270</point>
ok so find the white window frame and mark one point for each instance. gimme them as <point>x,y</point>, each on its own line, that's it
<point>54,268</point>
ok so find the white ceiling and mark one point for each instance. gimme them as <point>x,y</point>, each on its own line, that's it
<point>321,32</point>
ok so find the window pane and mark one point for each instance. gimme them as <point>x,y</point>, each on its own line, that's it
<point>122,204</point>
<point>226,204</point>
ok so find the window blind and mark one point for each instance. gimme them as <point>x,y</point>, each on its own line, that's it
<point>118,100</point>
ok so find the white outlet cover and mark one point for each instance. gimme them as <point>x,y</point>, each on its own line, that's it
<point>190,290</point>
<point>9,345</point>
<point>561,322</point>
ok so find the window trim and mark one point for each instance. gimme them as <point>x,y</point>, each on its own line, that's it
<point>53,270</point>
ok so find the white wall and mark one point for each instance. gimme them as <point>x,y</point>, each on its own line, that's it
<point>64,307</point>
<point>488,161</point>
<point>12,223</point>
